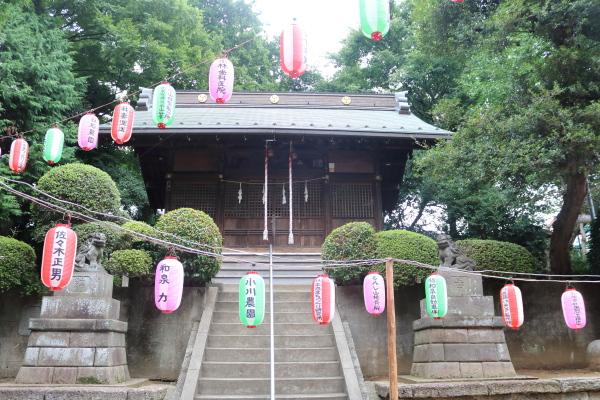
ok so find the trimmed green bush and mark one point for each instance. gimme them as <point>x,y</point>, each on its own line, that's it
<point>139,227</point>
<point>133,263</point>
<point>497,256</point>
<point>407,245</point>
<point>196,227</point>
<point>353,241</point>
<point>115,238</point>
<point>18,268</point>
<point>593,256</point>
<point>77,183</point>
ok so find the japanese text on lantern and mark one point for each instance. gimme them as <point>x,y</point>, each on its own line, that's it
<point>221,77</point>
<point>58,255</point>
<point>506,307</point>
<point>318,299</point>
<point>250,297</point>
<point>433,293</point>
<point>92,131</point>
<point>376,297</point>
<point>576,309</point>
<point>164,283</point>
<point>123,115</point>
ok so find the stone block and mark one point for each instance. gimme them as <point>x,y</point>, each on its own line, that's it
<point>79,307</point>
<point>17,393</point>
<point>568,385</point>
<point>66,375</point>
<point>460,284</point>
<point>104,374</point>
<point>498,369</point>
<point>66,357</point>
<point>31,356</point>
<point>471,370</point>
<point>110,356</point>
<point>449,335</point>
<point>86,393</point>
<point>48,339</point>
<point>471,352</point>
<point>486,336</point>
<point>436,370</point>
<point>32,375</point>
<point>422,337</point>
<point>99,339</point>
<point>70,324</point>
<point>428,353</point>
<point>158,393</point>
<point>503,354</point>
<point>97,284</point>
<point>110,325</point>
<point>458,322</point>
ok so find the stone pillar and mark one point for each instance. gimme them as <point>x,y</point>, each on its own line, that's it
<point>469,342</point>
<point>78,337</point>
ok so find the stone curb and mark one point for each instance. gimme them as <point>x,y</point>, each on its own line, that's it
<point>27,392</point>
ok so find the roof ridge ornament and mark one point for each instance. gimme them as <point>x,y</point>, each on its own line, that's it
<point>402,106</point>
<point>145,100</point>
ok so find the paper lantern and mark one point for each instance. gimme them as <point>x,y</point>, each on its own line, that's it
<point>168,284</point>
<point>374,18</point>
<point>511,302</point>
<point>457,1</point>
<point>87,134</point>
<point>292,51</point>
<point>53,145</point>
<point>19,154</point>
<point>323,299</point>
<point>220,80</point>
<point>573,309</point>
<point>252,299</point>
<point>436,296</point>
<point>163,105</point>
<point>374,293</point>
<point>122,123</point>
<point>58,258</point>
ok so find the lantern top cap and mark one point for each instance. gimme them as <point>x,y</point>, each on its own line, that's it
<point>373,273</point>
<point>65,225</point>
<point>251,273</point>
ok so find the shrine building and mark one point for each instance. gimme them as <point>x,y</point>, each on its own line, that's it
<point>348,154</point>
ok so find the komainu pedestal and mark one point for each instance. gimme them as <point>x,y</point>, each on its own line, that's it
<point>469,342</point>
<point>78,337</point>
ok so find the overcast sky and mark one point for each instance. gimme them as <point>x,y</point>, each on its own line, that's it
<point>325,23</point>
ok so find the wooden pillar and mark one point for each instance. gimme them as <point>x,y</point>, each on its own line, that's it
<point>391,329</point>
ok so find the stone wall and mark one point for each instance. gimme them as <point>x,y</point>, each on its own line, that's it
<point>544,342</point>
<point>15,312</point>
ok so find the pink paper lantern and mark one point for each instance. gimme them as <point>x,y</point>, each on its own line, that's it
<point>87,135</point>
<point>374,293</point>
<point>220,80</point>
<point>323,299</point>
<point>573,309</point>
<point>292,51</point>
<point>168,285</point>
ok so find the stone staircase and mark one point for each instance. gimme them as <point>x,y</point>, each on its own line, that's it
<point>236,359</point>
<point>288,268</point>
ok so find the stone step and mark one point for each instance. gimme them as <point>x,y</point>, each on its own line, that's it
<point>253,386</point>
<point>279,296</point>
<point>298,341</point>
<point>228,354</point>
<point>235,328</point>
<point>301,315</point>
<point>277,272</point>
<point>304,369</point>
<point>318,396</point>
<point>279,280</point>
<point>279,306</point>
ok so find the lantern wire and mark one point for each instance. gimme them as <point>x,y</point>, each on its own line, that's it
<point>15,133</point>
<point>327,264</point>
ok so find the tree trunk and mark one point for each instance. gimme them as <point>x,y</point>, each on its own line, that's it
<point>564,225</point>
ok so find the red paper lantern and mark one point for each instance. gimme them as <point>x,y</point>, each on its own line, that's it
<point>122,123</point>
<point>323,299</point>
<point>58,259</point>
<point>511,302</point>
<point>457,1</point>
<point>292,51</point>
<point>19,154</point>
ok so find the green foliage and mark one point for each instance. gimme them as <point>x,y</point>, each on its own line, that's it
<point>80,184</point>
<point>593,255</point>
<point>353,241</point>
<point>406,245</point>
<point>130,262</point>
<point>115,238</point>
<point>498,256</point>
<point>198,230</point>
<point>18,267</point>
<point>580,262</point>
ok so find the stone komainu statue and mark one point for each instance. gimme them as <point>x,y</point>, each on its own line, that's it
<point>451,256</point>
<point>89,254</point>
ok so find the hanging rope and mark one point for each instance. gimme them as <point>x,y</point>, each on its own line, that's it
<point>291,234</point>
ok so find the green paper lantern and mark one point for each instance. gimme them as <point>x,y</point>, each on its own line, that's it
<point>374,18</point>
<point>53,145</point>
<point>252,299</point>
<point>436,296</point>
<point>163,105</point>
